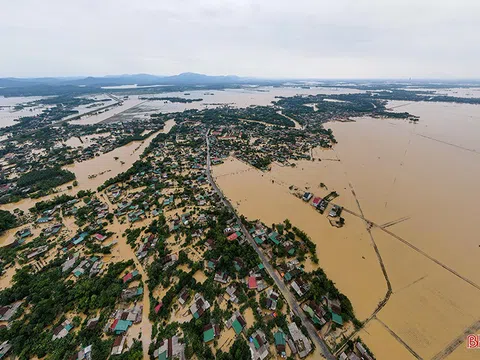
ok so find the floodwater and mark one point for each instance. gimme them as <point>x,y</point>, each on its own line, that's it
<point>85,141</point>
<point>92,173</point>
<point>136,108</point>
<point>8,116</point>
<point>105,114</point>
<point>417,181</point>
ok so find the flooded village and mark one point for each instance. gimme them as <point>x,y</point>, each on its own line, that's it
<point>256,223</point>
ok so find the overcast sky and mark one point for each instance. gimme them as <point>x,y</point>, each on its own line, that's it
<point>263,38</point>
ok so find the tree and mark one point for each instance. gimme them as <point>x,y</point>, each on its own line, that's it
<point>7,220</point>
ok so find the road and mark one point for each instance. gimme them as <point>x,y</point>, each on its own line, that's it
<point>292,302</point>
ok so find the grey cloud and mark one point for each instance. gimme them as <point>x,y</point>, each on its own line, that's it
<point>268,38</point>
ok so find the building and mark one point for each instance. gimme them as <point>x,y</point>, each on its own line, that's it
<point>315,312</point>
<point>237,321</point>
<point>363,352</point>
<point>118,343</point>
<point>301,342</point>
<point>280,343</point>
<point>83,354</point>
<point>221,277</point>
<point>210,332</point>
<point>300,287</point>
<point>272,299</point>
<point>316,201</point>
<point>199,306</point>
<point>170,349</point>
<point>258,345</point>
<point>307,196</point>
<point>4,349</point>
<point>62,330</point>
<point>6,312</point>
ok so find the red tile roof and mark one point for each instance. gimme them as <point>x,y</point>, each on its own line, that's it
<point>232,237</point>
<point>252,282</point>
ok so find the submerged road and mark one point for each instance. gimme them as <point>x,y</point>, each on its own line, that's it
<point>292,302</point>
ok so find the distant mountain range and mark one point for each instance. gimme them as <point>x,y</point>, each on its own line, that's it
<point>187,78</point>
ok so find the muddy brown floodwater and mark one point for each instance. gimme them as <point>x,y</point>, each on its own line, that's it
<point>418,183</point>
<point>92,173</point>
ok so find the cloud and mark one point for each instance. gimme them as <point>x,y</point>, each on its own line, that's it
<point>268,38</point>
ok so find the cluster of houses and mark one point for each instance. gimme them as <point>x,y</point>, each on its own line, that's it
<point>261,145</point>
<point>321,204</point>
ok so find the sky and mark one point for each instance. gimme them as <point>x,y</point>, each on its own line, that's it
<point>262,38</point>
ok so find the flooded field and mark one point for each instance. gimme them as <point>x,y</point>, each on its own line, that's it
<point>136,109</point>
<point>9,116</point>
<point>92,173</point>
<point>417,184</point>
<point>107,113</point>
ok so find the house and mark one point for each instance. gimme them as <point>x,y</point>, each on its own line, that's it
<point>300,287</point>
<point>4,349</point>
<point>238,264</point>
<point>7,312</point>
<point>120,326</point>
<point>307,196</point>
<point>280,343</point>
<point>92,323</point>
<point>44,219</point>
<point>99,237</point>
<point>210,332</point>
<point>210,243</point>
<point>62,330</point>
<point>81,268</point>
<point>158,307</point>
<point>96,268</point>
<point>258,345</point>
<point>24,233</point>
<point>133,314</point>
<point>255,281</point>
<point>272,298</point>
<point>130,276</point>
<point>221,277</point>
<point>170,349</point>
<point>315,312</point>
<point>183,296</point>
<point>84,354</point>
<point>38,251</point>
<point>199,306</point>
<point>322,206</point>
<point>52,230</point>
<point>232,293</point>
<point>337,319</point>
<point>316,201</point>
<point>273,237</point>
<point>252,282</point>
<point>351,356</point>
<point>232,237</point>
<point>237,321</point>
<point>118,344</point>
<point>363,352</point>
<point>131,293</point>
<point>135,216</point>
<point>169,260</point>
<point>334,305</point>
<point>335,211</point>
<point>77,240</point>
<point>302,344</point>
